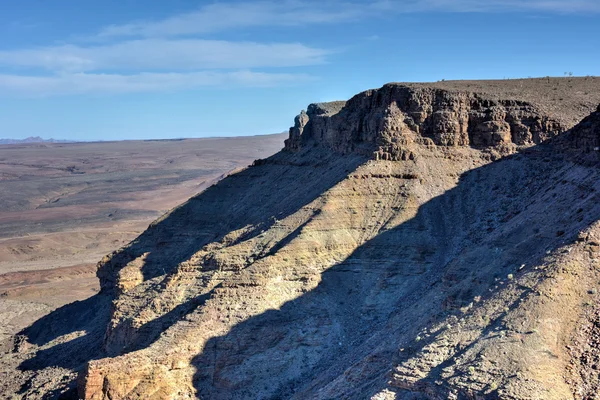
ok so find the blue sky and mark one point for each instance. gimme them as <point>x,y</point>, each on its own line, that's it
<point>133,69</point>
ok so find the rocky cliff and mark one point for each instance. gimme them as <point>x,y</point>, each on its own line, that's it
<point>411,243</point>
<point>388,119</point>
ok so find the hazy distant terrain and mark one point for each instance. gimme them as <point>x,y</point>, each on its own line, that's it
<point>63,206</point>
<point>31,139</point>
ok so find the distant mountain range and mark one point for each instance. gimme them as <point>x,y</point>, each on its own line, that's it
<point>31,139</point>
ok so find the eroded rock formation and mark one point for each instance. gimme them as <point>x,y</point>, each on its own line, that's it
<point>383,255</point>
<point>387,119</point>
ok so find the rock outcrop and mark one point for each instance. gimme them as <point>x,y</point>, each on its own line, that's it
<point>384,254</point>
<point>387,119</point>
<point>585,137</point>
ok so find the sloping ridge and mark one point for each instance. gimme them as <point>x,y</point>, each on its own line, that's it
<point>409,243</point>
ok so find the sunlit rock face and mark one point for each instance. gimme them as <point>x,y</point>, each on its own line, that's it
<point>397,114</point>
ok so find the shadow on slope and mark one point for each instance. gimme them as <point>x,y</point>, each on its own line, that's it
<point>366,307</point>
<point>250,200</point>
<point>68,337</point>
<point>340,340</point>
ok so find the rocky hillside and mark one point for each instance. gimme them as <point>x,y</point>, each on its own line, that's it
<point>414,242</point>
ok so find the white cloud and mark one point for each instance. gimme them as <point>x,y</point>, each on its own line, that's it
<point>169,53</point>
<point>223,16</point>
<point>152,64</point>
<point>165,55</point>
<point>237,15</point>
<point>82,83</point>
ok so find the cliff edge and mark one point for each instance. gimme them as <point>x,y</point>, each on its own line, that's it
<point>388,120</point>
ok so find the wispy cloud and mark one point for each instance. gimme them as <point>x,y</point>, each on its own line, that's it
<point>160,54</point>
<point>152,65</point>
<point>174,52</point>
<point>85,83</point>
<point>235,15</point>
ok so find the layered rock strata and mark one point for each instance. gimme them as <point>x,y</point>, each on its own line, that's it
<point>383,254</point>
<point>387,119</point>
